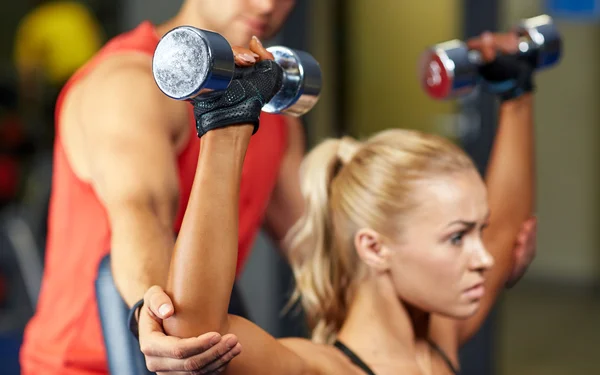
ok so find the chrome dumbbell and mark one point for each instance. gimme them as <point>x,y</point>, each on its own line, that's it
<point>188,59</point>
<point>450,69</point>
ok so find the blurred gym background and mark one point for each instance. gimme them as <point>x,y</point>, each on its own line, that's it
<point>548,324</point>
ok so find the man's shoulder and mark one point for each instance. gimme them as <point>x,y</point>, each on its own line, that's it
<point>129,52</point>
<point>121,89</point>
<point>117,75</point>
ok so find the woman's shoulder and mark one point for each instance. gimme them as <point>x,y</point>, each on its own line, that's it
<point>321,359</point>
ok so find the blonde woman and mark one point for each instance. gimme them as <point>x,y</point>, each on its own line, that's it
<point>393,266</point>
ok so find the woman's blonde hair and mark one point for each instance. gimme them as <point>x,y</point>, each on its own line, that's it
<point>348,185</point>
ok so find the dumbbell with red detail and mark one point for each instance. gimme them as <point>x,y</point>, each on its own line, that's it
<point>450,69</point>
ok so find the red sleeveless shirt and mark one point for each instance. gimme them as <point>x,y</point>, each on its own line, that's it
<point>64,337</point>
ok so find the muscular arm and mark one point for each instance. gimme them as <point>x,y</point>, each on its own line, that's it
<point>286,204</point>
<point>131,159</point>
<point>510,181</point>
<point>203,266</point>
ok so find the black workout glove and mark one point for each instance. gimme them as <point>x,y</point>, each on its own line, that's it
<point>509,76</point>
<point>242,102</point>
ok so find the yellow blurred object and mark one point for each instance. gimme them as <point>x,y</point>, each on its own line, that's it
<point>55,39</point>
<point>385,43</point>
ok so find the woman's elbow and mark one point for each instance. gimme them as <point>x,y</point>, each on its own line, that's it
<point>194,324</point>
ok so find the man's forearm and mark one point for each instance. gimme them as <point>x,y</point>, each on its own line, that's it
<point>140,258</point>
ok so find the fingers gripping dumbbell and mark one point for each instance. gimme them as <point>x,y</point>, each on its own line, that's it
<point>450,69</point>
<point>188,60</point>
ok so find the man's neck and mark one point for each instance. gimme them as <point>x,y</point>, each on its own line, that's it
<point>187,15</point>
<point>172,23</point>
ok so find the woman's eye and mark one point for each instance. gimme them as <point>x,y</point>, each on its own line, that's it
<point>456,239</point>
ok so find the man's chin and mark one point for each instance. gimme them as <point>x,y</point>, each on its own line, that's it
<point>242,35</point>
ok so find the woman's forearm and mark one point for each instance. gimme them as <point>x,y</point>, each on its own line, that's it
<point>510,180</point>
<point>203,265</point>
<point>510,176</point>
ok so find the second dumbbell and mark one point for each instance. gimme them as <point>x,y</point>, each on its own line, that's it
<point>188,60</point>
<point>450,69</point>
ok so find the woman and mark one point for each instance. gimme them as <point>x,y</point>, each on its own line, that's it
<point>390,258</point>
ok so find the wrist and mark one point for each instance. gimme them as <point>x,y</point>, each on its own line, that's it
<point>508,77</point>
<point>233,138</point>
<point>524,87</point>
<point>133,318</point>
<point>518,103</point>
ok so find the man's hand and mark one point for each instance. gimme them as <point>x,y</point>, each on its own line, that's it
<point>524,251</point>
<point>205,354</point>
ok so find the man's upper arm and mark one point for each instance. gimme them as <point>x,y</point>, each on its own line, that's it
<point>286,204</point>
<point>132,159</point>
<point>131,162</point>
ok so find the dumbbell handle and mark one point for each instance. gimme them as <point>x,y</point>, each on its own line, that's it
<point>188,60</point>
<point>526,47</point>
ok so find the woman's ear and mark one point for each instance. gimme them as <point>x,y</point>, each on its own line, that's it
<point>371,249</point>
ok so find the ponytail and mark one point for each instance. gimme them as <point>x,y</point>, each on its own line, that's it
<point>348,185</point>
<point>320,276</point>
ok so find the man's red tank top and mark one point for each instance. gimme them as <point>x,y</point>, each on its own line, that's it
<point>64,337</point>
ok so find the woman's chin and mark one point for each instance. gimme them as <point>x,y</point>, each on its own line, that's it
<point>463,311</point>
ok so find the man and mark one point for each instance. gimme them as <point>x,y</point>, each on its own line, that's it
<point>125,157</point>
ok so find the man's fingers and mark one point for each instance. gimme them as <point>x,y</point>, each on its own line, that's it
<point>220,364</point>
<point>257,47</point>
<point>524,234</point>
<point>528,226</point>
<point>216,357</point>
<point>157,344</point>
<point>219,355</point>
<point>532,222</point>
<point>159,302</point>
<point>148,325</point>
<point>244,56</point>
<point>528,232</point>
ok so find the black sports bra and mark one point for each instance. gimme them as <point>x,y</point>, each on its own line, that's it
<point>363,366</point>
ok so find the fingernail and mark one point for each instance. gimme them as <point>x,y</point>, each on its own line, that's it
<point>215,340</point>
<point>231,342</point>
<point>164,309</point>
<point>247,58</point>
<point>236,350</point>
<point>255,55</point>
<point>257,40</point>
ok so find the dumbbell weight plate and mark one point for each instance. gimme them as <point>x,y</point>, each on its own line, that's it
<point>447,70</point>
<point>301,85</point>
<point>544,36</point>
<point>188,60</point>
